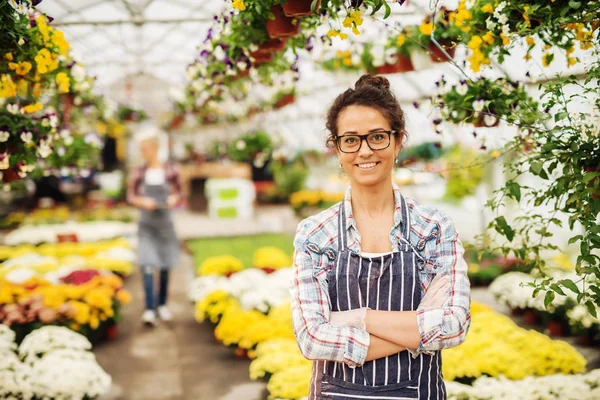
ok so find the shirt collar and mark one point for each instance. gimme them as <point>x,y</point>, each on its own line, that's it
<point>350,222</point>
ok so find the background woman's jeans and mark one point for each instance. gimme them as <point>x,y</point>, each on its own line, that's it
<point>151,298</point>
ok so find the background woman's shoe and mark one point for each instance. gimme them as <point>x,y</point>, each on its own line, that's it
<point>149,318</point>
<point>164,314</point>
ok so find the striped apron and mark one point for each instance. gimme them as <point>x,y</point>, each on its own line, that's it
<point>389,283</point>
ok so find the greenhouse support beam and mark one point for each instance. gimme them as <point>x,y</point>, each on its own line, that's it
<point>133,21</point>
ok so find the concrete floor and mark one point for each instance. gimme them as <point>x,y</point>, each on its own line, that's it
<point>179,361</point>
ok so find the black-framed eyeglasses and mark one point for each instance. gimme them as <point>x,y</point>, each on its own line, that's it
<point>378,140</point>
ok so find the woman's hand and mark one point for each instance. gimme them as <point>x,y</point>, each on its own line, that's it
<point>172,200</point>
<point>352,318</point>
<point>147,203</point>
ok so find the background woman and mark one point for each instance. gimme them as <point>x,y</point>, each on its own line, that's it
<point>154,188</point>
<point>380,283</point>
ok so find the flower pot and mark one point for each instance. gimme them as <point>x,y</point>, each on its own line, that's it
<point>530,317</point>
<point>261,57</point>
<point>281,26</point>
<point>404,64</point>
<point>272,46</point>
<point>112,332</point>
<point>516,312</point>
<point>298,8</point>
<point>437,55</point>
<point>420,60</point>
<point>556,328</point>
<point>285,101</point>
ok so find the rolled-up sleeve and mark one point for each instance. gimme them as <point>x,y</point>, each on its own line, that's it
<point>447,326</point>
<point>311,309</point>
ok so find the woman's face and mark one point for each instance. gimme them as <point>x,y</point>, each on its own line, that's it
<point>366,167</point>
<point>149,149</point>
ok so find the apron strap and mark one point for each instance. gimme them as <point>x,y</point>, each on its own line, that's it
<point>405,219</point>
<point>342,238</point>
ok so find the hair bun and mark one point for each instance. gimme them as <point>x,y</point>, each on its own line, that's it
<point>380,82</point>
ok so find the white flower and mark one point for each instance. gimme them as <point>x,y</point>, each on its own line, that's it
<point>21,41</point>
<point>53,120</point>
<point>490,24</point>
<point>77,100</point>
<point>391,56</point>
<point>478,105</point>
<point>502,19</point>
<point>12,108</point>
<point>78,72</point>
<point>462,88</point>
<point>219,53</point>
<point>240,145</point>
<point>242,65</point>
<point>27,137</point>
<point>93,139</point>
<point>489,119</point>
<point>191,72</point>
<point>4,163</point>
<point>4,135</point>
<point>44,149</point>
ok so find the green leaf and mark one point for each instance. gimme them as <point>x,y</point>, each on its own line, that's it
<point>313,6</point>
<point>536,168</point>
<point>569,284</point>
<point>575,239</point>
<point>591,308</point>
<point>590,175</point>
<point>388,10</point>
<point>505,229</point>
<point>548,299</point>
<point>536,291</point>
<point>515,190</point>
<point>574,4</point>
<point>557,289</point>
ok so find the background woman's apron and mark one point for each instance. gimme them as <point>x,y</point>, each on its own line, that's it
<point>158,246</point>
<point>389,283</point>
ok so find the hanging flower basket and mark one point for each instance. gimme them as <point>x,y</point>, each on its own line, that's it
<point>261,57</point>
<point>299,8</point>
<point>273,45</point>
<point>404,64</point>
<point>285,101</point>
<point>437,55</point>
<point>281,26</point>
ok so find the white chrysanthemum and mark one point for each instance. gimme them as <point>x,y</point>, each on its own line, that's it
<point>7,339</point>
<point>69,374</point>
<point>50,338</point>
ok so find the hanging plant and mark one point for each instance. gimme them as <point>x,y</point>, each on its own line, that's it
<point>484,103</point>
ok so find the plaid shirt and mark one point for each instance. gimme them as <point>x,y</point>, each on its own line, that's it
<point>136,178</point>
<point>432,235</point>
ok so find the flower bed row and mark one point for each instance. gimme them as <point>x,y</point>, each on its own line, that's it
<point>54,260</point>
<point>50,363</point>
<point>258,325</point>
<point>83,301</point>
<point>564,316</point>
<point>61,215</point>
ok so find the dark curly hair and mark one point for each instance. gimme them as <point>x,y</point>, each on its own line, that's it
<point>369,91</point>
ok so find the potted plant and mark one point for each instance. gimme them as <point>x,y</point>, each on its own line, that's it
<point>300,8</point>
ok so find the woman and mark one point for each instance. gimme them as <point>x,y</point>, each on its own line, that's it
<point>154,188</point>
<point>380,283</point>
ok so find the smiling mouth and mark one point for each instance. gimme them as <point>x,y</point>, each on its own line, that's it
<point>367,165</point>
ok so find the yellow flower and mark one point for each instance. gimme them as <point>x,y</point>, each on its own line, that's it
<point>82,312</point>
<point>475,42</point>
<point>525,16</point>
<point>426,28</point>
<point>571,61</point>
<point>332,33</point>
<point>547,59</point>
<point>343,36</point>
<point>348,62</point>
<point>488,8</point>
<point>271,257</point>
<point>357,17</point>
<point>355,31</point>
<point>58,38</point>
<point>488,38</point>
<point>30,109</point>
<point>347,23</point>
<point>239,5</point>
<point>8,88</point>
<point>123,297</point>
<point>505,39</point>
<point>220,265</point>
<point>62,80</point>
<point>8,56</point>
<point>529,40</point>
<point>400,39</point>
<point>495,154</point>
<point>21,68</point>
<point>527,57</point>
